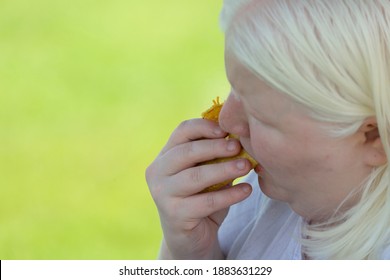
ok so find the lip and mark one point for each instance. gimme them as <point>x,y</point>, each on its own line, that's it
<point>259,170</point>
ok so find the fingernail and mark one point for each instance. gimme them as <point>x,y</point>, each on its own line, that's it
<point>246,189</point>
<point>241,164</point>
<point>231,146</point>
<point>218,131</point>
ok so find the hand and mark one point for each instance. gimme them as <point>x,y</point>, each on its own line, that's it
<point>189,219</point>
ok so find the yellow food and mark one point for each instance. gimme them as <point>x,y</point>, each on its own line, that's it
<point>213,114</point>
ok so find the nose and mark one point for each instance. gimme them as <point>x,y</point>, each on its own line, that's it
<point>232,117</point>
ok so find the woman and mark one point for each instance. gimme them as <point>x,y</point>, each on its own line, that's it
<point>310,102</point>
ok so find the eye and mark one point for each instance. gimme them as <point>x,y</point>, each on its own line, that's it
<point>256,120</point>
<point>259,121</point>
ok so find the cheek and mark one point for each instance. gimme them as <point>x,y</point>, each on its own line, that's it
<point>268,151</point>
<point>283,159</point>
<point>291,154</point>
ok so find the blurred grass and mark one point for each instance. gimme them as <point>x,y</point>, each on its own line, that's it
<point>89,93</point>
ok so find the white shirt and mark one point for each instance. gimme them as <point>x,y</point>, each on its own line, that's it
<point>260,228</point>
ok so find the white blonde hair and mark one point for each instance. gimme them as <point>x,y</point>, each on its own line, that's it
<point>332,56</point>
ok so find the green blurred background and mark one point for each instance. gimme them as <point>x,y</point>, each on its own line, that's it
<point>90,91</point>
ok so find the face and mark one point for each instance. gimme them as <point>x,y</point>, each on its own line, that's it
<point>301,164</point>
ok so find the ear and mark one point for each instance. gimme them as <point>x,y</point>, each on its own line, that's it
<point>374,152</point>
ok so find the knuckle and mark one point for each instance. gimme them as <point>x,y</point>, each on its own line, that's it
<point>150,172</point>
<point>155,192</point>
<point>180,129</point>
<point>187,150</point>
<point>210,201</point>
<point>184,125</point>
<point>154,182</point>
<point>196,175</point>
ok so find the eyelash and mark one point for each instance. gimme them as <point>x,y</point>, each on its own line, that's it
<point>256,121</point>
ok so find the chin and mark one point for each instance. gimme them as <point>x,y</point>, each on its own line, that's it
<point>264,187</point>
<point>268,190</point>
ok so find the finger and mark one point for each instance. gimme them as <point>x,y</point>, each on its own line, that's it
<point>191,130</point>
<point>193,180</point>
<point>192,153</point>
<point>206,204</point>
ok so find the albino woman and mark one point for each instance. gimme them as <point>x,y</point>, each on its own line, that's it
<point>310,101</point>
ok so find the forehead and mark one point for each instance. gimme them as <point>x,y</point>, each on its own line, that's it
<point>259,94</point>
<point>237,74</point>
<point>242,79</point>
